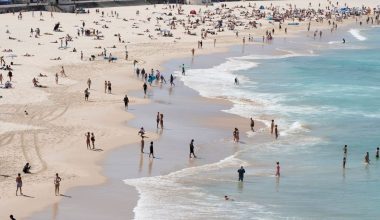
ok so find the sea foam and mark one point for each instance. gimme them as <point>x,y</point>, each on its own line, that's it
<point>356,33</point>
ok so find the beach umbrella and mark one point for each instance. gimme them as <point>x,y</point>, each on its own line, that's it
<point>193,12</point>
<point>262,7</point>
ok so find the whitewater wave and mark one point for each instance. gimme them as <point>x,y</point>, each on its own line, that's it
<point>356,33</point>
<point>175,196</point>
<point>218,82</point>
<point>288,54</point>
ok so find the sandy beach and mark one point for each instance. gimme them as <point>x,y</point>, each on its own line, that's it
<point>45,124</point>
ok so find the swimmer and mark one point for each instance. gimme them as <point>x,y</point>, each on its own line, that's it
<point>227,198</point>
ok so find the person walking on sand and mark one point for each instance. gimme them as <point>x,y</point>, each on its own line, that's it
<point>162,121</point>
<point>192,52</point>
<point>56,78</point>
<point>142,144</point>
<point>278,169</point>
<point>241,172</point>
<point>18,184</point>
<point>151,149</point>
<point>88,140</point>
<point>11,217</point>
<point>109,87</point>
<point>93,140</point>
<point>366,158</point>
<point>252,124</point>
<point>276,131</point>
<point>57,181</point>
<point>105,86</point>
<point>192,149</point>
<point>63,74</point>
<point>10,75</point>
<point>126,101</point>
<point>145,87</point>
<point>86,94</point>
<point>158,119</point>
<point>89,83</point>
<point>1,78</point>
<point>272,126</point>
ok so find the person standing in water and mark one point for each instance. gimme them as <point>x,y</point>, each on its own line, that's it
<point>142,144</point>
<point>236,81</point>
<point>345,149</point>
<point>192,149</point>
<point>235,135</point>
<point>18,184</point>
<point>377,153</point>
<point>272,126</point>
<point>183,69</point>
<point>151,150</point>
<point>366,158</point>
<point>241,172</point>
<point>126,101</point>
<point>252,124</point>
<point>158,119</point>
<point>162,121</point>
<point>278,169</point>
<point>276,131</point>
<point>172,80</point>
<point>344,162</point>
<point>57,182</point>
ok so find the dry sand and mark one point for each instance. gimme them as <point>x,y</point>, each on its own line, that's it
<point>51,137</point>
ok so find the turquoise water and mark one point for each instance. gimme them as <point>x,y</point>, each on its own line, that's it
<point>321,99</point>
<point>324,101</point>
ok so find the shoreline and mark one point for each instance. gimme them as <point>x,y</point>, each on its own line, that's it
<point>168,66</point>
<point>122,140</point>
<point>158,100</point>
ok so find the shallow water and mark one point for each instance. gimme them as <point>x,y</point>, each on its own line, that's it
<point>322,96</point>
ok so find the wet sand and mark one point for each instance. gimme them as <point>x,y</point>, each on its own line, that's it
<point>183,110</point>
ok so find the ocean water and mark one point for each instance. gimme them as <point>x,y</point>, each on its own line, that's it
<point>322,96</point>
